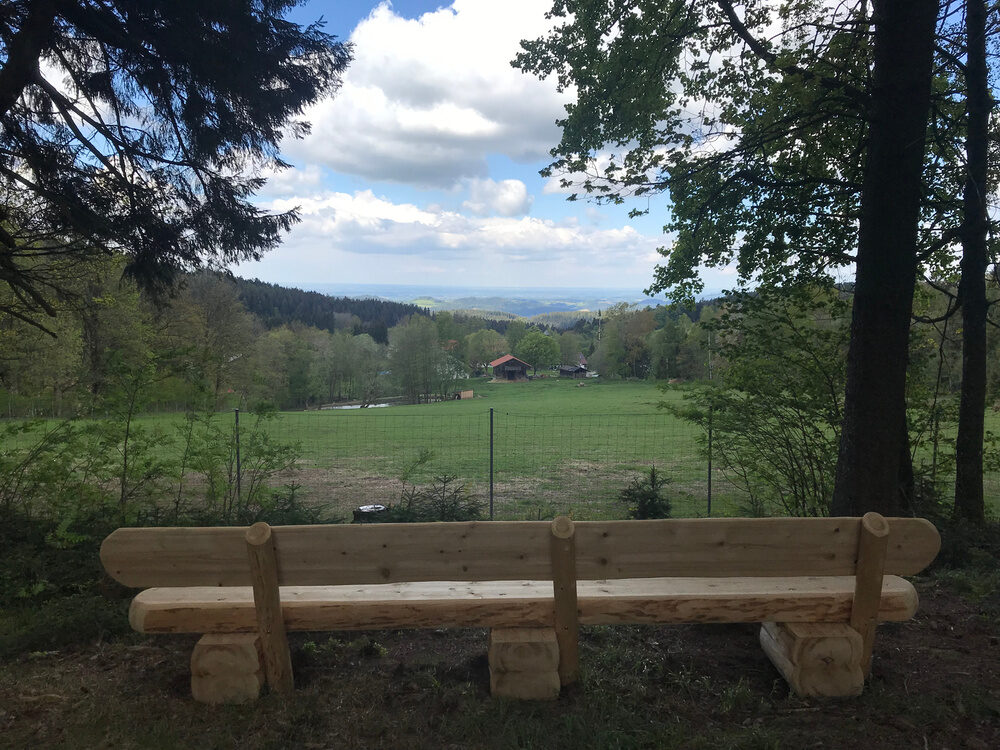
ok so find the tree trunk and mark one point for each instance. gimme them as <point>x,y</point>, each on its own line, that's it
<point>906,481</point>
<point>972,286</point>
<point>873,436</point>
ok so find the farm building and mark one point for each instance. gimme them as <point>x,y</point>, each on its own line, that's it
<point>509,367</point>
<point>572,371</point>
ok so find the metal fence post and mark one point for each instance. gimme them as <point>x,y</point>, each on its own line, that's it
<point>491,463</point>
<point>239,467</point>
<point>709,463</point>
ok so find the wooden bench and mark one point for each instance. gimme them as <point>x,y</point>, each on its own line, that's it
<point>817,585</point>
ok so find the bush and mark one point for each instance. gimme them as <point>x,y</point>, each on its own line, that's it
<point>644,498</point>
<point>53,591</point>
<point>444,500</point>
<point>61,622</point>
<point>63,488</point>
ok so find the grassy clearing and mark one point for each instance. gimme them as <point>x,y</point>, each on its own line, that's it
<point>560,446</point>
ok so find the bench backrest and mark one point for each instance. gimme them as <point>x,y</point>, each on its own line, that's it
<point>513,550</point>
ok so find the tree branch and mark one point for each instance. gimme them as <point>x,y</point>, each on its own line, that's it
<point>24,51</point>
<point>772,59</point>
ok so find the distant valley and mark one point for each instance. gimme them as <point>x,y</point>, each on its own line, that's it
<point>521,301</point>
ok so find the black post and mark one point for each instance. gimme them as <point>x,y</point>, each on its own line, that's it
<point>491,463</point>
<point>709,463</point>
<point>710,411</point>
<point>239,468</point>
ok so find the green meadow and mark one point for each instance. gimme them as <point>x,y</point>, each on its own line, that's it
<point>558,446</point>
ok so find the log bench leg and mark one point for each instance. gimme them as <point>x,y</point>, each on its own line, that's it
<point>227,668</point>
<point>524,663</point>
<point>817,659</point>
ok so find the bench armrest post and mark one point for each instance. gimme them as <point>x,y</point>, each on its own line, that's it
<point>267,602</point>
<point>872,544</point>
<point>563,549</point>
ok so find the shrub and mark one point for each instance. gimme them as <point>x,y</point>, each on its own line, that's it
<point>234,494</point>
<point>644,497</point>
<point>63,488</point>
<point>444,500</point>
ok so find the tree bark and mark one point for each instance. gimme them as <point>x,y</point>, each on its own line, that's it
<point>24,52</point>
<point>873,437</point>
<point>972,286</point>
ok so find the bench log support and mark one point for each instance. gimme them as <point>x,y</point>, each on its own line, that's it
<point>872,544</point>
<point>818,660</point>
<point>563,548</point>
<point>524,663</point>
<point>267,602</point>
<point>227,668</point>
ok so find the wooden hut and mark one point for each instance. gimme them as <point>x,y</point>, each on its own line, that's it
<point>572,371</point>
<point>509,367</point>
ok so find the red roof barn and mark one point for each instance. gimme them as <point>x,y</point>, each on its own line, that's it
<point>509,367</point>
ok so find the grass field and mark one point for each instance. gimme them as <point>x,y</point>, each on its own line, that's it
<point>559,446</point>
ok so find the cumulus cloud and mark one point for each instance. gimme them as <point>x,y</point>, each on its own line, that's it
<point>291,181</point>
<point>426,99</point>
<point>504,198</point>
<point>363,236</point>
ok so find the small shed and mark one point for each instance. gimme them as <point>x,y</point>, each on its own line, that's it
<point>509,367</point>
<point>572,371</point>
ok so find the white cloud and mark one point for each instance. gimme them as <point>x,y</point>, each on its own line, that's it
<point>291,181</point>
<point>366,237</point>
<point>427,99</point>
<point>504,198</point>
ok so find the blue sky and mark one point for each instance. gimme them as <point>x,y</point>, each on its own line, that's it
<point>423,168</point>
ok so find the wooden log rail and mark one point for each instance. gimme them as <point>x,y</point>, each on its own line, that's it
<point>819,585</point>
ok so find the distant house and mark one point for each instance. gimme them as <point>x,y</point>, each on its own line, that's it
<point>509,367</point>
<point>572,371</point>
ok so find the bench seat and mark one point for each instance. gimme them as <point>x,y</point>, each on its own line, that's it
<point>495,604</point>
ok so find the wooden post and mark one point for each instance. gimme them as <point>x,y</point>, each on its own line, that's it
<point>872,543</point>
<point>267,602</point>
<point>563,548</point>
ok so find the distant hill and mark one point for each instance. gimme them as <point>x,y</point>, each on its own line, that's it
<point>484,314</point>
<point>562,320</point>
<point>278,305</point>
<point>522,307</point>
<point>521,301</point>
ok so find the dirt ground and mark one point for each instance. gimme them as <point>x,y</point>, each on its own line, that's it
<point>935,684</point>
<point>585,489</point>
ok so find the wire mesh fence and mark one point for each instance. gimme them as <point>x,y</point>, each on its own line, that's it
<point>518,465</point>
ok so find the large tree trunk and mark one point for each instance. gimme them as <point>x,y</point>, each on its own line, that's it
<point>972,287</point>
<point>873,436</point>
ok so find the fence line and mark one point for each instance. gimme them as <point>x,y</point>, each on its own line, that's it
<point>520,465</point>
<point>517,464</point>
